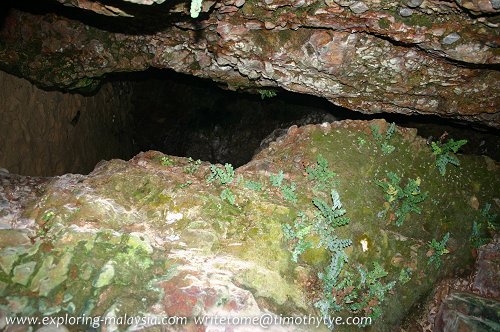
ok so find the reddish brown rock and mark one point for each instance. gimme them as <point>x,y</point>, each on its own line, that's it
<point>416,57</point>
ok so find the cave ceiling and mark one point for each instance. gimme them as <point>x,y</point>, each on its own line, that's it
<point>410,57</point>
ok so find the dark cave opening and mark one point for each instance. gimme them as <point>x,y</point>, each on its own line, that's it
<point>183,116</point>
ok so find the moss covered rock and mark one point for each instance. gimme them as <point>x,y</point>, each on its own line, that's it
<point>149,238</point>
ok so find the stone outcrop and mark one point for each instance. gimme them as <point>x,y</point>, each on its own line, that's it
<point>466,303</point>
<point>160,235</point>
<point>411,57</point>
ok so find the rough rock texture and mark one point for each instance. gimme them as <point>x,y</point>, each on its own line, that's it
<point>51,133</point>
<point>479,309</point>
<point>428,57</point>
<point>152,237</point>
<point>465,303</point>
<point>468,312</point>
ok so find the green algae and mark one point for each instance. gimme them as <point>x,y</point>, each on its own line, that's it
<point>105,276</point>
<point>363,203</point>
<point>23,272</point>
<point>384,23</point>
<point>8,257</point>
<point>132,198</point>
<point>78,273</point>
<point>273,287</point>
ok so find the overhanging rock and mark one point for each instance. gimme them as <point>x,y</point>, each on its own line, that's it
<point>425,57</point>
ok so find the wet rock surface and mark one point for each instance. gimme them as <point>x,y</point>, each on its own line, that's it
<point>430,57</point>
<point>155,236</point>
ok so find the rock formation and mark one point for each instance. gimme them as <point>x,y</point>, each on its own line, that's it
<point>411,57</point>
<point>164,236</point>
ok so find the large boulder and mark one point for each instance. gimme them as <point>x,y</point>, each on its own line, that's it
<point>162,236</point>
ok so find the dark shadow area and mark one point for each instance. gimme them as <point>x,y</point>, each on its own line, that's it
<point>187,116</point>
<point>178,115</point>
<point>148,19</point>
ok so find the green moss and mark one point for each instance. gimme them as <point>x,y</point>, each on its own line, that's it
<point>273,287</point>
<point>421,20</point>
<point>81,273</point>
<point>127,197</point>
<point>384,23</point>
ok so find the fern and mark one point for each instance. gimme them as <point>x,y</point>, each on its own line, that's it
<point>390,131</point>
<point>166,161</point>
<point>223,175</point>
<point>484,227</point>
<point>405,275</point>
<point>228,195</point>
<point>376,133</point>
<point>444,153</point>
<point>192,166</point>
<point>288,192</point>
<point>320,173</point>
<point>383,141</point>
<point>253,185</point>
<point>438,249</point>
<point>336,245</point>
<point>265,93</point>
<point>331,216</point>
<point>298,234</point>
<point>402,200</point>
<point>277,180</point>
<point>373,291</point>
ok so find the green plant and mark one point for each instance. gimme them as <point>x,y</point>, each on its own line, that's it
<point>320,173</point>
<point>222,175</point>
<point>438,249</point>
<point>277,180</point>
<point>192,166</point>
<point>483,227</point>
<point>340,289</point>
<point>253,185</point>
<point>185,184</point>
<point>265,93</point>
<point>372,291</point>
<point>361,142</point>
<point>383,141</point>
<point>327,216</point>
<point>227,195</point>
<point>445,153</point>
<point>166,161</point>
<point>297,235</point>
<point>288,191</point>
<point>402,200</point>
<point>326,220</point>
<point>47,216</point>
<point>405,275</point>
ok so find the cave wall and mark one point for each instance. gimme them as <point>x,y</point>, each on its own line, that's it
<point>412,57</point>
<point>52,133</point>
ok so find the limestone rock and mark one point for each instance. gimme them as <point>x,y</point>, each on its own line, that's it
<point>468,312</point>
<point>368,56</point>
<point>156,240</point>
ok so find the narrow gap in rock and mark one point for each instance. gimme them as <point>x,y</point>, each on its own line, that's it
<point>51,133</point>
